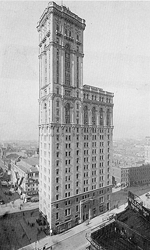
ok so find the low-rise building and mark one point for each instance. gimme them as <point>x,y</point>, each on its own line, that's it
<point>139,175</point>
<point>136,174</point>
<point>25,175</point>
<point>120,173</point>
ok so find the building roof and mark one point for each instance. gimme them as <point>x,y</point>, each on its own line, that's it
<point>29,164</point>
<point>23,168</point>
<point>125,166</point>
<point>33,161</point>
<point>12,156</point>
<point>135,221</point>
<point>129,230</point>
<point>15,152</point>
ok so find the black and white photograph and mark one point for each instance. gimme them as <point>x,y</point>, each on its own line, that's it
<point>75,125</point>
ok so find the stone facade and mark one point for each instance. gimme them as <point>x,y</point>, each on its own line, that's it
<point>140,175</point>
<point>75,126</point>
<point>121,174</point>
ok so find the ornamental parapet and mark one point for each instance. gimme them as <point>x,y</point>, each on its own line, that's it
<point>62,11</point>
<point>97,95</point>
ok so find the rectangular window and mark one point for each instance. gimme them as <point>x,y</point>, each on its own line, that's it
<point>57,216</point>
<point>67,211</point>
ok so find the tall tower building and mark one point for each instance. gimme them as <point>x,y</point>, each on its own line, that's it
<point>75,126</point>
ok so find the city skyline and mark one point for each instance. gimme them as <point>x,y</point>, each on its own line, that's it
<point>116,48</point>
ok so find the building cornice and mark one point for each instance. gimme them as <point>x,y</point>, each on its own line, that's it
<point>62,12</point>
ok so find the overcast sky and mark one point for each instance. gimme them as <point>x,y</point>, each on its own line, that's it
<point>117,59</point>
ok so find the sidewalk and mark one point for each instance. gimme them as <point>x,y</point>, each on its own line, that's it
<point>75,237</point>
<point>15,207</point>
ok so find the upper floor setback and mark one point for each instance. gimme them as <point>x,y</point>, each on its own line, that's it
<point>63,12</point>
<point>102,97</point>
<point>97,90</point>
<point>87,94</point>
<point>97,94</point>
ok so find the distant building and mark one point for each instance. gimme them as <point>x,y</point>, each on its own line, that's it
<point>147,149</point>
<point>120,173</point>
<point>31,152</point>
<point>3,151</point>
<point>139,175</point>
<point>11,156</point>
<point>25,175</point>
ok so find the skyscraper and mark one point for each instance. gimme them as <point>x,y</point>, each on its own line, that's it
<point>75,126</point>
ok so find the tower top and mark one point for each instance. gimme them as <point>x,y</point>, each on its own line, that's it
<point>63,12</point>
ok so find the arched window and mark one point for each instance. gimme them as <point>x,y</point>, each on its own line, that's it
<point>67,113</point>
<point>67,64</point>
<point>86,118</point>
<point>93,116</point>
<point>108,118</point>
<point>101,117</point>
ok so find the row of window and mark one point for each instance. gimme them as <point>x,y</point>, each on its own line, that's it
<point>96,98</point>
<point>101,199</point>
<point>86,137</point>
<point>68,162</point>
<point>67,211</point>
<point>86,117</point>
